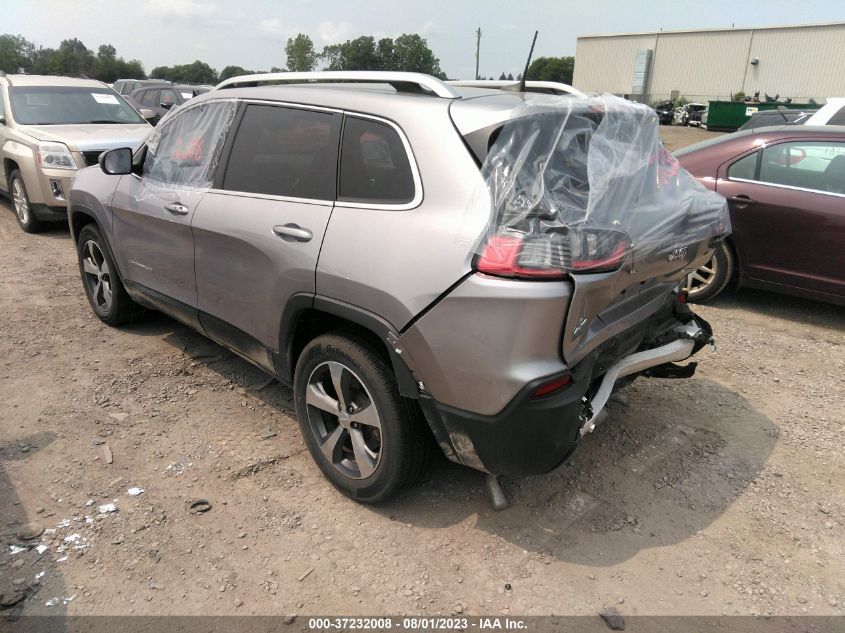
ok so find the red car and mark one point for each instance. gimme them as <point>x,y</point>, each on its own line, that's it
<point>786,190</point>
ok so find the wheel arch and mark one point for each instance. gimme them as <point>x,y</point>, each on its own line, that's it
<point>80,217</point>
<point>308,316</point>
<point>9,165</point>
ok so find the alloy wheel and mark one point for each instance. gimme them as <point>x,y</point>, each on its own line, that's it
<point>702,278</point>
<point>21,203</point>
<point>344,420</point>
<point>97,275</point>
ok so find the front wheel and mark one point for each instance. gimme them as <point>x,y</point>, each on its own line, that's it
<point>368,440</point>
<point>103,287</point>
<point>711,278</point>
<point>23,208</point>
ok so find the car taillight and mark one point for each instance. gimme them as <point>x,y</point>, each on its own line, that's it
<point>552,255</point>
<point>552,386</point>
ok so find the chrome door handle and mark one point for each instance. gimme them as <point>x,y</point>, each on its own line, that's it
<point>293,231</point>
<point>176,208</point>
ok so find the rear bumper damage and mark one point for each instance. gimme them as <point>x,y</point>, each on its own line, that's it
<point>533,435</point>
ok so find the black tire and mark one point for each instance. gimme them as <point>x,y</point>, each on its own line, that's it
<point>21,204</point>
<point>723,266</point>
<point>404,440</point>
<point>91,246</point>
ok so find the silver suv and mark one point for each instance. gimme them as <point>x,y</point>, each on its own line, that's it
<point>416,260</point>
<point>49,128</point>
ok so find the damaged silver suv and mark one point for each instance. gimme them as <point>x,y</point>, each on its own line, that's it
<point>416,260</point>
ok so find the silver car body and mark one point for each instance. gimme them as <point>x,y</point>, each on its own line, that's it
<point>459,341</point>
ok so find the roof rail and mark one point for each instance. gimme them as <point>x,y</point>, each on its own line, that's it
<point>401,81</point>
<point>552,87</point>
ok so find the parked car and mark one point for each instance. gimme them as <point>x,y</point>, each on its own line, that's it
<point>158,99</point>
<point>831,113</point>
<point>126,87</point>
<point>665,111</point>
<point>49,128</point>
<point>393,254</point>
<point>786,189</point>
<point>777,117</point>
<point>690,114</point>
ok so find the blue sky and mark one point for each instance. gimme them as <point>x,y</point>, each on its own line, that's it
<point>252,33</point>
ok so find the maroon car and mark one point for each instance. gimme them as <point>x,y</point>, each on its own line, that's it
<point>786,189</point>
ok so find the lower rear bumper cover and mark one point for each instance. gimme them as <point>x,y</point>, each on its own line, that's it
<point>532,436</point>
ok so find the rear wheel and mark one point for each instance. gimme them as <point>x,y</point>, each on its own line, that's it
<point>711,278</point>
<point>20,200</point>
<point>105,291</point>
<point>368,440</point>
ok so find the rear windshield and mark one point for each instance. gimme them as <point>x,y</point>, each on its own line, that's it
<point>58,105</point>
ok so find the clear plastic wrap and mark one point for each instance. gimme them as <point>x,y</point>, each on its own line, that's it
<point>582,184</point>
<point>183,150</point>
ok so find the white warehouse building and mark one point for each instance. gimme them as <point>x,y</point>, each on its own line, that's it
<point>798,62</point>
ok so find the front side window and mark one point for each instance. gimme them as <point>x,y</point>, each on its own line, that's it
<point>745,168</point>
<point>817,165</point>
<point>838,118</point>
<point>374,165</point>
<point>150,98</point>
<point>2,104</point>
<point>62,105</point>
<point>285,152</point>
<point>185,150</point>
<point>168,97</point>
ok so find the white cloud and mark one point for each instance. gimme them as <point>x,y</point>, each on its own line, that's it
<point>333,32</point>
<point>271,26</point>
<point>431,28</point>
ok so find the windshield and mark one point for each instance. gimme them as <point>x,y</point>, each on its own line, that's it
<point>57,105</point>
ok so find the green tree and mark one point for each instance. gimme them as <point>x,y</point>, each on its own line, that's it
<point>15,52</point>
<point>233,71</point>
<point>357,54</point>
<point>558,69</point>
<point>300,53</point>
<point>408,52</point>
<point>414,55</point>
<point>196,72</point>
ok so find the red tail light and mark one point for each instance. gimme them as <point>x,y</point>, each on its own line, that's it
<point>501,256</point>
<point>553,255</point>
<point>553,386</point>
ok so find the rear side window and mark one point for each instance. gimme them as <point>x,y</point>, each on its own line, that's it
<point>374,165</point>
<point>185,150</point>
<point>745,168</point>
<point>285,152</point>
<point>838,118</point>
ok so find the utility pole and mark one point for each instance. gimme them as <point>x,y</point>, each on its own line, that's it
<point>477,49</point>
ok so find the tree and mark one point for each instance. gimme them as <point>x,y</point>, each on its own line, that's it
<point>558,69</point>
<point>408,52</point>
<point>15,52</point>
<point>300,53</point>
<point>509,77</point>
<point>196,72</point>
<point>233,71</point>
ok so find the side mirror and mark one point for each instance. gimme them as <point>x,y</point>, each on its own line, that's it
<point>166,106</point>
<point>147,114</point>
<point>2,119</point>
<point>116,162</point>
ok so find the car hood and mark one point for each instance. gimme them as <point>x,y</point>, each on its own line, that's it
<point>86,138</point>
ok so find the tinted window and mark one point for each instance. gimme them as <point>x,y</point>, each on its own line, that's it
<point>838,118</point>
<point>374,164</point>
<point>150,98</point>
<point>818,165</point>
<point>184,150</point>
<point>2,104</point>
<point>745,168</point>
<point>285,152</point>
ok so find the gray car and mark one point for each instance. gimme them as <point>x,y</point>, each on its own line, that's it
<point>417,261</point>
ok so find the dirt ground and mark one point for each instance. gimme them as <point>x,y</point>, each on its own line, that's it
<point>722,494</point>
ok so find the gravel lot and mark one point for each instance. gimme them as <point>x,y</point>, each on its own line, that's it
<point>720,494</point>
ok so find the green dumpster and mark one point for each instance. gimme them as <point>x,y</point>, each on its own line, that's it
<point>729,116</point>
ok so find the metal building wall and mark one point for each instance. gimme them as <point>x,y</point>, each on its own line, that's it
<point>797,62</point>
